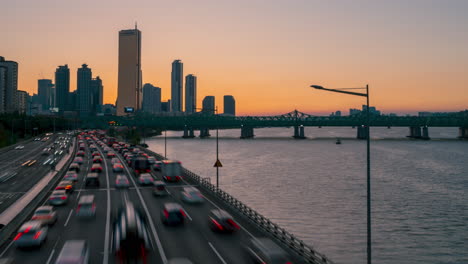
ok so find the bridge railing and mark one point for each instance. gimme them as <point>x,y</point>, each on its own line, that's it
<point>296,245</point>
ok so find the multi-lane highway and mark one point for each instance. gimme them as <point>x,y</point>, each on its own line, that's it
<point>194,240</point>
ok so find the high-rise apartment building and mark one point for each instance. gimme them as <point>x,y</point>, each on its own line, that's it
<point>83,88</point>
<point>208,104</point>
<point>44,93</point>
<point>23,102</point>
<point>151,99</point>
<point>8,85</point>
<point>62,88</point>
<point>97,95</point>
<point>190,93</point>
<point>176,86</point>
<point>129,82</point>
<point>229,105</point>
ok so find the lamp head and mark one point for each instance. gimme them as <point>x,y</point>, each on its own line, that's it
<point>317,87</point>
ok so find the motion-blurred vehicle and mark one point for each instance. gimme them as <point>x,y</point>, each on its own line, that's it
<point>117,167</point>
<point>145,179</point>
<point>67,186</point>
<point>220,221</point>
<point>92,179</point>
<point>86,207</point>
<point>78,160</point>
<point>157,165</point>
<point>71,176</point>
<point>74,167</point>
<point>19,147</point>
<point>59,197</point>
<point>121,181</point>
<point>264,250</point>
<point>97,159</point>
<point>82,146</point>
<point>95,153</point>
<point>173,214</point>
<point>171,170</point>
<point>45,214</point>
<point>159,188</point>
<point>31,234</point>
<point>192,195</point>
<point>115,160</point>
<point>130,235</point>
<point>110,155</point>
<point>80,153</point>
<point>96,167</point>
<point>74,252</point>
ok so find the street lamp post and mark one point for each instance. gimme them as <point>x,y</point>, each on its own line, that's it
<point>369,230</point>
<point>165,143</point>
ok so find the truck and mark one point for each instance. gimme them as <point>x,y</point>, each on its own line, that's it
<point>140,164</point>
<point>171,170</point>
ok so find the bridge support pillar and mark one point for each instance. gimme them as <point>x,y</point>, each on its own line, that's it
<point>188,132</point>
<point>463,132</point>
<point>204,132</point>
<point>415,132</point>
<point>425,133</point>
<point>299,132</point>
<point>362,132</point>
<point>191,133</point>
<point>247,132</point>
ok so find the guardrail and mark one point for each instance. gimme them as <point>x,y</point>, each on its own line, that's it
<point>7,231</point>
<point>296,245</point>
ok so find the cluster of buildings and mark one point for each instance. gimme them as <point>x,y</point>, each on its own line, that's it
<point>132,96</point>
<point>55,97</point>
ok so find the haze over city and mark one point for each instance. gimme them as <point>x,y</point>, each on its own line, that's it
<point>266,53</point>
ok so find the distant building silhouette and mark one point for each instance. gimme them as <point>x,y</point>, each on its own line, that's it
<point>44,93</point>
<point>190,93</point>
<point>166,106</point>
<point>229,105</point>
<point>176,86</point>
<point>62,88</point>
<point>73,101</point>
<point>97,95</point>
<point>84,92</point>
<point>129,83</point>
<point>151,99</point>
<point>8,85</point>
<point>108,109</point>
<point>208,104</point>
<point>23,102</point>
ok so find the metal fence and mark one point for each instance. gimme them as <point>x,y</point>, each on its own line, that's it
<point>296,245</point>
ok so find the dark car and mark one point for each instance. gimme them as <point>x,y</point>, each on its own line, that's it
<point>220,221</point>
<point>173,214</point>
<point>97,159</point>
<point>74,167</point>
<point>92,179</point>
<point>264,250</point>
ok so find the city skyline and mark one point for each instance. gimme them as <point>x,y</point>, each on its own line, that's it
<point>268,64</point>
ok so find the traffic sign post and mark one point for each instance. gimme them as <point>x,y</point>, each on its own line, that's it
<point>217,164</point>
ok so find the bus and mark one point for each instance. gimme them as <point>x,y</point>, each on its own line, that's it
<point>171,170</point>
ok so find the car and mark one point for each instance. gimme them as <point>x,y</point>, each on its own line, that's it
<point>220,221</point>
<point>117,167</point>
<point>157,165</point>
<point>45,214</point>
<point>58,197</point>
<point>96,153</point>
<point>121,181</point>
<point>110,154</point>
<point>115,160</point>
<point>92,147</point>
<point>86,207</point>
<point>97,159</point>
<point>45,151</point>
<point>37,139</point>
<point>92,179</point>
<point>67,186</point>
<point>74,252</point>
<point>159,189</point>
<point>173,214</point>
<point>74,167</point>
<point>106,150</point>
<point>130,237</point>
<point>192,195</point>
<point>145,179</point>
<point>19,147</point>
<point>80,153</point>
<point>78,160</point>
<point>71,176</point>
<point>264,250</point>
<point>31,234</point>
<point>96,167</point>
<point>82,147</point>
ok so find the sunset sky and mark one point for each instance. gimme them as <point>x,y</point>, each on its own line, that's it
<point>413,54</point>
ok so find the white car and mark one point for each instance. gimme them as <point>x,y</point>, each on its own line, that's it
<point>19,147</point>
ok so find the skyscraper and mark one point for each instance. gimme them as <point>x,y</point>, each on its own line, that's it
<point>151,99</point>
<point>62,88</point>
<point>129,83</point>
<point>229,105</point>
<point>8,85</point>
<point>44,92</point>
<point>97,94</point>
<point>83,89</point>
<point>176,86</point>
<point>190,93</point>
<point>23,102</point>
<point>208,104</point>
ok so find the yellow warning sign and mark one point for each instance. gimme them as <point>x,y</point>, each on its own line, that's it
<point>218,164</point>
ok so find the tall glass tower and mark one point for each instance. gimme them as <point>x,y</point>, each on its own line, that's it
<point>176,86</point>
<point>190,93</point>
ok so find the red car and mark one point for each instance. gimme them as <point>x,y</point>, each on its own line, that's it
<point>95,153</point>
<point>80,153</point>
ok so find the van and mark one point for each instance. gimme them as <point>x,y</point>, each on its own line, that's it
<point>86,206</point>
<point>73,252</point>
<point>92,179</point>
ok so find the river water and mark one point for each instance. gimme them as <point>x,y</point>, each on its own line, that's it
<point>316,189</point>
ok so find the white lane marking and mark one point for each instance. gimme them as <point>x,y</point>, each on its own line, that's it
<point>217,253</point>
<point>153,229</point>
<point>68,218</point>
<point>6,249</point>
<point>190,218</point>
<point>168,192</point>
<point>107,232</point>
<point>50,257</point>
